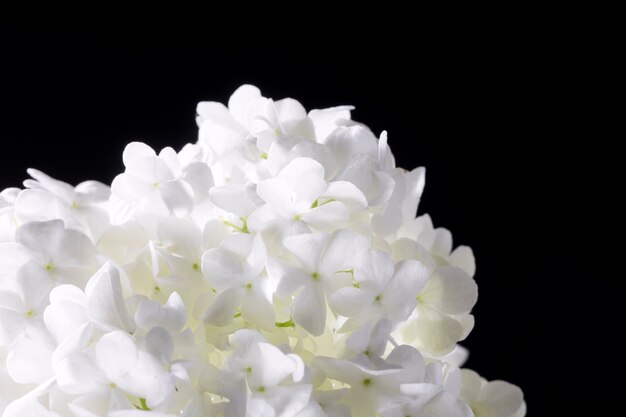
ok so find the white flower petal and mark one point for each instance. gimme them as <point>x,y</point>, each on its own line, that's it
<point>271,366</point>
<point>29,361</point>
<point>307,248</point>
<point>350,301</point>
<point>257,310</point>
<point>329,216</point>
<point>241,100</point>
<point>116,354</point>
<point>278,195</point>
<point>136,150</point>
<point>223,307</point>
<point>105,301</point>
<point>451,290</point>
<point>78,374</point>
<point>29,203</point>
<point>463,257</point>
<point>178,197</point>
<point>220,267</point>
<point>160,344</point>
<point>238,199</point>
<point>309,310</point>
<point>436,333</point>
<point>499,398</point>
<point>341,251</point>
<point>12,256</point>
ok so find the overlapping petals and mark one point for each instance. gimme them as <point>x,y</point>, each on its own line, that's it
<point>274,268</point>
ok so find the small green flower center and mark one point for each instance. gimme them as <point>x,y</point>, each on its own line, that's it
<point>29,314</point>
<point>261,389</point>
<point>196,266</point>
<point>48,267</point>
<point>315,276</point>
<point>367,382</point>
<point>248,285</point>
<point>248,370</point>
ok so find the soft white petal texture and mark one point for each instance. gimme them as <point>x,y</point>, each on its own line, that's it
<point>278,195</point>
<point>79,374</point>
<point>451,290</point>
<point>349,301</point>
<point>436,333</point>
<point>347,193</point>
<point>116,354</point>
<point>388,220</point>
<point>409,278</point>
<point>29,202</point>
<point>220,266</point>
<point>136,150</point>
<point>29,360</point>
<point>256,309</point>
<point>12,256</point>
<point>463,257</point>
<point>160,344</point>
<point>370,338</point>
<point>66,312</point>
<point>309,309</point>
<point>105,301</point>
<point>287,277</point>
<point>276,267</point>
<point>171,316</point>
<point>500,398</point>
<point>28,407</point>
<point>491,399</point>
<point>241,100</point>
<point>307,248</point>
<point>327,120</point>
<point>56,244</point>
<point>240,199</point>
<point>341,251</point>
<point>223,307</point>
<point>181,237</point>
<point>275,366</point>
<point>177,196</point>
<point>327,216</point>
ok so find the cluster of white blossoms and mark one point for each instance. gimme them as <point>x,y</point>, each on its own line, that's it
<point>275,268</point>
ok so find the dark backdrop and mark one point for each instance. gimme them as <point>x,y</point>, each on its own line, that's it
<point>484,114</point>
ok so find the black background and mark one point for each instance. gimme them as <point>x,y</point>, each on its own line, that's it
<point>488,114</point>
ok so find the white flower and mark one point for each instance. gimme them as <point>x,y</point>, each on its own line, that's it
<point>491,399</point>
<point>94,372</point>
<point>324,264</point>
<point>442,316</point>
<point>65,255</point>
<point>301,194</point>
<point>21,309</point>
<point>275,268</point>
<point>236,270</point>
<point>82,207</point>
<point>436,396</point>
<point>374,390</point>
<point>381,290</point>
<point>271,376</point>
<point>151,184</point>
<point>363,161</point>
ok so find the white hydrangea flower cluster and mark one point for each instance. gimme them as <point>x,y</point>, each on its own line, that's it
<point>275,268</point>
